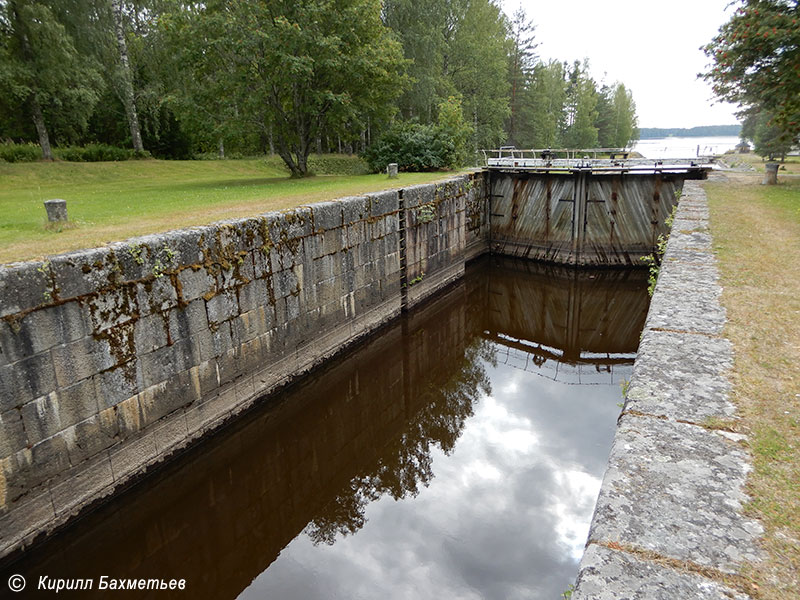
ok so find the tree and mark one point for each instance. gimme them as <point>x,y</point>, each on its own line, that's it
<point>295,68</point>
<point>581,109</point>
<point>41,71</point>
<point>544,109</point>
<point>522,62</point>
<point>124,77</point>
<point>756,60</point>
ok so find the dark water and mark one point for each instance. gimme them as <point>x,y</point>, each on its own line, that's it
<point>458,454</point>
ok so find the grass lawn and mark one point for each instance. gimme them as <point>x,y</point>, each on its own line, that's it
<point>756,233</point>
<point>116,200</point>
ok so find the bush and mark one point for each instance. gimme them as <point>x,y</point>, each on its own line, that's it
<point>416,147</point>
<point>337,164</point>
<point>94,153</point>
<point>11,152</point>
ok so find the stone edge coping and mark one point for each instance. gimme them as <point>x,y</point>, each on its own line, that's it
<point>668,522</point>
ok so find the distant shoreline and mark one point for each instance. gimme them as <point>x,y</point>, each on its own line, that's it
<point>649,133</point>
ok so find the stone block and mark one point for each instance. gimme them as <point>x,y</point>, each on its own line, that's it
<point>677,490</point>
<point>15,525</point>
<point>222,307</point>
<point>91,436</point>
<point>356,234</point>
<point>150,333</point>
<point>418,194</point>
<point>115,385</point>
<point>12,433</point>
<point>682,376</point>
<point>327,215</point>
<point>184,322</point>
<point>607,574</point>
<point>328,242</point>
<point>354,209</point>
<point>383,203</point>
<point>129,417</point>
<point>80,360</point>
<point>156,295</point>
<point>253,295</point>
<point>42,329</point>
<point>166,362</point>
<point>26,380</point>
<point>251,324</point>
<point>196,283</point>
<point>23,286</point>
<point>129,457</point>
<point>48,458</point>
<point>81,486</point>
<point>113,307</point>
<point>58,410</point>
<point>158,401</point>
<point>686,309</point>
<point>84,272</point>
<point>171,434</point>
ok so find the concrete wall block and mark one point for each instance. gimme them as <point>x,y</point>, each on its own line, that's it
<point>115,385</point>
<point>23,286</point>
<point>195,283</point>
<point>186,321</point>
<point>149,333</point>
<point>228,366</point>
<point>80,360</point>
<point>252,295</point>
<point>12,433</point>
<point>91,436</point>
<point>383,203</point>
<point>27,379</point>
<point>208,344</point>
<point>171,433</point>
<point>327,215</point>
<point>236,271</point>
<point>166,362</point>
<point>204,378</point>
<point>222,307</point>
<point>112,307</point>
<point>262,265</point>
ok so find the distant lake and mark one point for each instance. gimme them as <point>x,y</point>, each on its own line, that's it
<point>685,147</point>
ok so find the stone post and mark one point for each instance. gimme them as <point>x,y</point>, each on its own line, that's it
<point>392,170</point>
<point>770,174</point>
<point>56,210</point>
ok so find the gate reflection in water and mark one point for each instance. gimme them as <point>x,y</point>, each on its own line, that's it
<point>456,454</point>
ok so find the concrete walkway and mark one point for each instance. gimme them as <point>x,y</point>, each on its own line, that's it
<point>669,522</point>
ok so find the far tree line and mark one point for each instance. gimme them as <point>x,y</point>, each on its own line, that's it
<point>173,78</point>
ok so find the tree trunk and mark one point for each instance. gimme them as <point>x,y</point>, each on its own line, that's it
<point>127,82</point>
<point>41,128</point>
<point>221,148</point>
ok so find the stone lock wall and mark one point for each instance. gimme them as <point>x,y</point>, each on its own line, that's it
<point>114,357</point>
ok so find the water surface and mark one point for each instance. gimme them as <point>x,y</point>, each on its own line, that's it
<point>457,454</point>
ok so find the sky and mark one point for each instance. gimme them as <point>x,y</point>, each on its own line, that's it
<point>653,47</point>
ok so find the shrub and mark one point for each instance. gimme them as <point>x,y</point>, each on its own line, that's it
<point>337,164</point>
<point>11,152</point>
<point>416,147</point>
<point>93,153</point>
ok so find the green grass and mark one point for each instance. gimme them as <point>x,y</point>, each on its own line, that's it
<point>756,231</point>
<point>115,200</point>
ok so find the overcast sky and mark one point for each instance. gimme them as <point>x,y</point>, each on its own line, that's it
<point>653,47</point>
